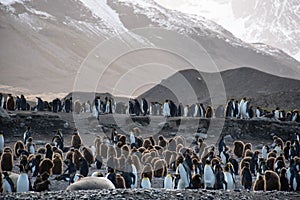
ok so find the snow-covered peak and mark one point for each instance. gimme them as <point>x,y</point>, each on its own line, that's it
<point>274,22</point>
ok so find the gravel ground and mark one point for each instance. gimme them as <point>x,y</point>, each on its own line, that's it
<point>154,194</point>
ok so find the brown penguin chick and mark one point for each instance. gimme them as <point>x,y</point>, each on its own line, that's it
<point>42,186</point>
<point>259,184</point>
<point>24,161</point>
<point>76,140</point>
<point>88,155</point>
<point>49,152</point>
<point>7,160</point>
<point>148,170</point>
<point>69,154</point>
<point>238,148</point>
<point>41,150</point>
<point>247,146</point>
<point>162,141</point>
<point>152,160</point>
<point>286,150</point>
<point>152,141</point>
<point>120,182</point>
<point>248,153</point>
<point>160,168</point>
<point>167,156</point>
<point>57,150</point>
<point>197,181</point>
<point>121,163</point>
<point>57,164</point>
<point>136,161</point>
<point>284,183</point>
<point>17,146</point>
<point>118,149</point>
<point>125,150</point>
<point>39,179</point>
<point>244,161</point>
<point>147,144</point>
<point>180,140</point>
<point>103,150</point>
<point>112,163</point>
<point>245,175</point>
<point>272,181</point>
<point>172,145</point>
<point>272,154</point>
<point>145,157</point>
<point>97,143</point>
<point>270,163</point>
<point>178,147</point>
<point>76,158</point>
<point>46,166</point>
<point>111,152</point>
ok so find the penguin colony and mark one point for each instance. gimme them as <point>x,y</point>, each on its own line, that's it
<point>126,163</point>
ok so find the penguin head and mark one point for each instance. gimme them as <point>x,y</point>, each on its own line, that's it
<point>169,175</point>
<point>228,166</point>
<point>22,170</point>
<point>30,139</point>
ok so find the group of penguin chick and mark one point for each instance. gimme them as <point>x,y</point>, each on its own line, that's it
<point>122,157</point>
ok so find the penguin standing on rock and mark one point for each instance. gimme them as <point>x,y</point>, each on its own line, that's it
<point>23,181</point>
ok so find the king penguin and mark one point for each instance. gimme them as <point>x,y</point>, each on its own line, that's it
<point>209,176</point>
<point>229,177</point>
<point>23,181</point>
<point>145,183</point>
<point>168,182</point>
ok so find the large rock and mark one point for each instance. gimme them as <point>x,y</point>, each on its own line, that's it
<point>4,114</point>
<point>92,183</point>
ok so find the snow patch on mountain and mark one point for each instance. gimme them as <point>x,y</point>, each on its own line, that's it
<point>101,10</point>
